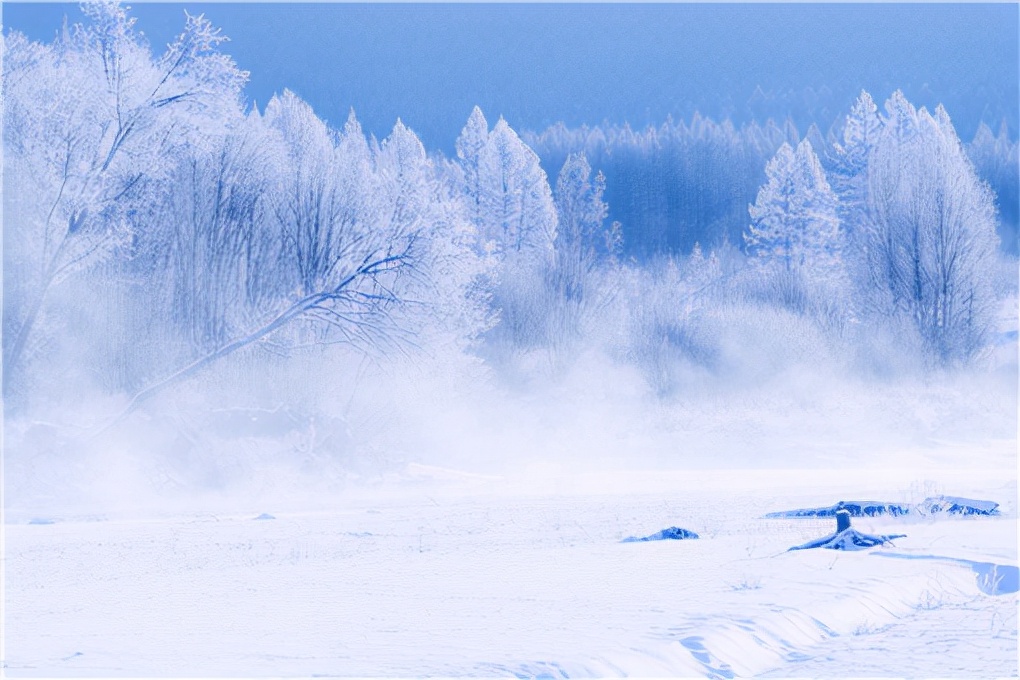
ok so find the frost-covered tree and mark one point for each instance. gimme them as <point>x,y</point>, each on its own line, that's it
<point>507,197</point>
<point>506,192</point>
<point>586,250</point>
<point>581,239</point>
<point>210,244</point>
<point>94,126</point>
<point>367,248</point>
<point>997,160</point>
<point>850,180</point>
<point>794,225</point>
<point>702,271</point>
<point>471,155</point>
<point>314,207</point>
<point>932,241</point>
<point>516,199</point>
<point>442,289</point>
<point>850,173</point>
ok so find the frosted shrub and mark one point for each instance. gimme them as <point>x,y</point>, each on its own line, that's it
<point>669,304</point>
<point>524,304</point>
<point>773,287</point>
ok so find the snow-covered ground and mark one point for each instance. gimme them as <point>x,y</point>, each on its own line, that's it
<point>445,573</point>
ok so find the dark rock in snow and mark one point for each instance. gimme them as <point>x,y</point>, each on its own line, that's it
<point>672,533</point>
<point>265,515</point>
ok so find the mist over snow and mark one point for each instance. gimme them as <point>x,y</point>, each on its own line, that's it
<point>419,356</point>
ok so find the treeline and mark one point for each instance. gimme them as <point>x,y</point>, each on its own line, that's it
<point>690,182</point>
<point>154,226</point>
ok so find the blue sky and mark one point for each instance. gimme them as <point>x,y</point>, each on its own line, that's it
<point>538,64</point>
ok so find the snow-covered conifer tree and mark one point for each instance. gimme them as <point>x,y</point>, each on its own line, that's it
<point>516,197</point>
<point>860,135</point>
<point>794,225</point>
<point>470,147</point>
<point>506,192</point>
<point>507,197</point>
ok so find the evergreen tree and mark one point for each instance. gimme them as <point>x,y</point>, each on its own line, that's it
<point>507,197</point>
<point>505,190</point>
<point>517,198</point>
<point>470,146</point>
<point>860,134</point>
<point>794,226</point>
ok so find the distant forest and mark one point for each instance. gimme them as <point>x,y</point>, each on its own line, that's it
<point>690,182</point>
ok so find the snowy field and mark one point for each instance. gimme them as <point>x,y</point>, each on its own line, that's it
<point>442,573</point>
